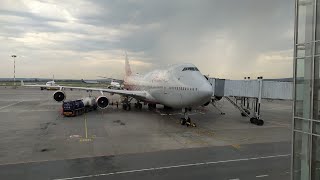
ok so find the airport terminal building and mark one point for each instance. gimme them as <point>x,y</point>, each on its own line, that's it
<point>306,115</point>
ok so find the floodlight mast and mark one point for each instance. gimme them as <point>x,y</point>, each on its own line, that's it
<point>14,70</point>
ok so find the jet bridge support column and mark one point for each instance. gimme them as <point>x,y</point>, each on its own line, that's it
<point>257,103</point>
<point>245,105</point>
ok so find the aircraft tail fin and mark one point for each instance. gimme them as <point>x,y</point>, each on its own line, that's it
<point>22,83</point>
<point>127,66</point>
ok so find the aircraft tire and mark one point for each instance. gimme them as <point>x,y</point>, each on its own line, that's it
<point>124,106</point>
<point>188,122</point>
<point>183,121</point>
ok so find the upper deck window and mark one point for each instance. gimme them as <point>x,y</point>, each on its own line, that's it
<point>190,69</point>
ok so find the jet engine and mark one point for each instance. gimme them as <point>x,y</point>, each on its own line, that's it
<point>102,102</point>
<point>59,96</point>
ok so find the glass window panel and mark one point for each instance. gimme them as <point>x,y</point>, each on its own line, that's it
<point>302,125</point>
<point>318,21</point>
<point>317,46</point>
<point>316,91</point>
<point>301,51</point>
<point>303,88</point>
<point>305,20</point>
<point>315,164</point>
<point>304,50</point>
<point>316,128</point>
<point>301,156</point>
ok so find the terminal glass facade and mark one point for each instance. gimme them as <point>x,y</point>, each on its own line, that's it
<point>306,119</point>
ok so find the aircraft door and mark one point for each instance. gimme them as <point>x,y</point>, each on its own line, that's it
<point>165,90</point>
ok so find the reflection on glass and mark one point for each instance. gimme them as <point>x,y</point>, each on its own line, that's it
<point>302,125</point>
<point>316,128</point>
<point>316,91</point>
<point>303,88</point>
<point>301,156</point>
<point>301,51</point>
<point>318,21</point>
<point>315,171</point>
<point>305,20</point>
<point>317,45</point>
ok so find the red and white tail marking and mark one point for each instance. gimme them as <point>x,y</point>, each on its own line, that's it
<point>127,67</point>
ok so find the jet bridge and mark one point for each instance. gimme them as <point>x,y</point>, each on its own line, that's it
<point>250,92</point>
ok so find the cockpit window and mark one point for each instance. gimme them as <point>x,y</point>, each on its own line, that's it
<point>190,69</point>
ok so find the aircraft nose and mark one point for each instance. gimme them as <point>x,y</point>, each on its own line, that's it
<point>206,91</point>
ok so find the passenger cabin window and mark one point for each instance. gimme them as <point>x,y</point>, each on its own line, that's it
<point>190,69</point>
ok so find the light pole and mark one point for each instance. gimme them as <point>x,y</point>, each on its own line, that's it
<point>14,70</point>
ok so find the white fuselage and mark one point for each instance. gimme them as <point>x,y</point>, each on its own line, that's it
<point>50,83</point>
<point>115,84</point>
<point>179,86</point>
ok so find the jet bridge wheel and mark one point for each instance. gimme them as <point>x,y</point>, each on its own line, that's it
<point>256,121</point>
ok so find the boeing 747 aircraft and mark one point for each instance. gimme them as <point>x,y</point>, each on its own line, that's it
<point>178,86</point>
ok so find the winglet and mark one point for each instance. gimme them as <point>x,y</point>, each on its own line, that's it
<point>22,83</point>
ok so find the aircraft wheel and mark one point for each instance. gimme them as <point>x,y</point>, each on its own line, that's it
<point>124,106</point>
<point>183,121</point>
<point>188,122</point>
<point>151,106</point>
<point>140,106</point>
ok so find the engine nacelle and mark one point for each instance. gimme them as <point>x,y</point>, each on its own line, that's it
<point>102,102</point>
<point>59,96</point>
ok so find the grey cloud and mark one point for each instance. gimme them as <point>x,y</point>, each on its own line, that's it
<point>185,30</point>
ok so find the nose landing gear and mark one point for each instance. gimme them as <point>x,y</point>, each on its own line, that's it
<point>186,119</point>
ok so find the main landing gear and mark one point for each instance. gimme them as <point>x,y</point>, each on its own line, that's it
<point>126,103</point>
<point>152,106</point>
<point>126,106</point>
<point>138,105</point>
<point>256,121</point>
<point>186,119</point>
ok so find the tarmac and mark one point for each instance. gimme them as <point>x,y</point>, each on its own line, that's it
<point>37,142</point>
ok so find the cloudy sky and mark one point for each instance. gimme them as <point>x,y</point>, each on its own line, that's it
<point>85,39</point>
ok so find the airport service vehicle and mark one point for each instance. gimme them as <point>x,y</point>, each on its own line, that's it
<point>78,107</point>
<point>177,86</point>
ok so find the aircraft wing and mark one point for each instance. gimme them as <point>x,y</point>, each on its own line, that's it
<point>135,94</point>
